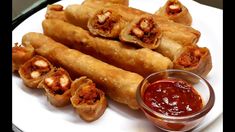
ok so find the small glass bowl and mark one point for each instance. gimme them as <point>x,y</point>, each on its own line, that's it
<point>177,123</point>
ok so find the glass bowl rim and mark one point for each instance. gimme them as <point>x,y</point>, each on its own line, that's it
<point>193,116</point>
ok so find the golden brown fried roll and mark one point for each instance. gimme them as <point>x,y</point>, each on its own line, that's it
<point>169,48</point>
<point>55,11</point>
<point>106,23</point>
<point>35,70</point>
<point>20,54</point>
<point>80,14</point>
<point>88,101</point>
<point>57,85</point>
<point>194,59</point>
<point>176,11</point>
<point>142,31</point>
<point>118,84</point>
<point>122,2</point>
<point>143,61</point>
<point>190,58</point>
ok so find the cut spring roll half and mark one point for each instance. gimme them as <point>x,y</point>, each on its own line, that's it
<point>88,101</point>
<point>35,70</point>
<point>57,85</point>
<point>142,61</point>
<point>118,84</point>
<point>195,59</point>
<point>121,2</point>
<point>191,58</point>
<point>55,11</point>
<point>106,23</point>
<point>21,54</point>
<point>142,31</point>
<point>176,11</point>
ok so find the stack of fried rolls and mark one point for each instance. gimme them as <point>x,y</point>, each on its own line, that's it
<point>118,84</point>
<point>178,32</point>
<point>110,24</point>
<point>143,61</point>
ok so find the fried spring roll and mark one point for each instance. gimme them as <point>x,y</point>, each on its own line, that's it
<point>195,59</point>
<point>88,101</point>
<point>176,11</point>
<point>79,14</point>
<point>35,70</point>
<point>143,31</point>
<point>121,2</point>
<point>106,23</point>
<point>57,86</point>
<point>168,48</point>
<point>55,11</point>
<point>190,58</point>
<point>21,54</point>
<point>118,84</point>
<point>143,61</point>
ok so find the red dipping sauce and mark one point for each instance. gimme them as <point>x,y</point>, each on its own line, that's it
<point>172,97</point>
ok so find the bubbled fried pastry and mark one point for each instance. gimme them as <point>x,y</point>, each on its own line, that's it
<point>194,59</point>
<point>55,11</point>
<point>57,85</point>
<point>176,11</point>
<point>20,54</point>
<point>35,70</point>
<point>88,101</point>
<point>142,31</point>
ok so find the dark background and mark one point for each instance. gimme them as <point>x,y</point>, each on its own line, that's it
<point>214,3</point>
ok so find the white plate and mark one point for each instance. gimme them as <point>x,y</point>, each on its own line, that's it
<point>32,112</point>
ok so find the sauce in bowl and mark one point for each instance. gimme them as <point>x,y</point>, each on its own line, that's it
<point>172,97</point>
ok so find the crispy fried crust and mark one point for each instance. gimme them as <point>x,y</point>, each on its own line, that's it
<point>180,15</point>
<point>121,2</point>
<point>142,61</point>
<point>106,22</point>
<point>142,31</point>
<point>55,11</point>
<point>57,85</point>
<point>88,101</point>
<point>32,73</point>
<point>195,59</point>
<point>21,54</point>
